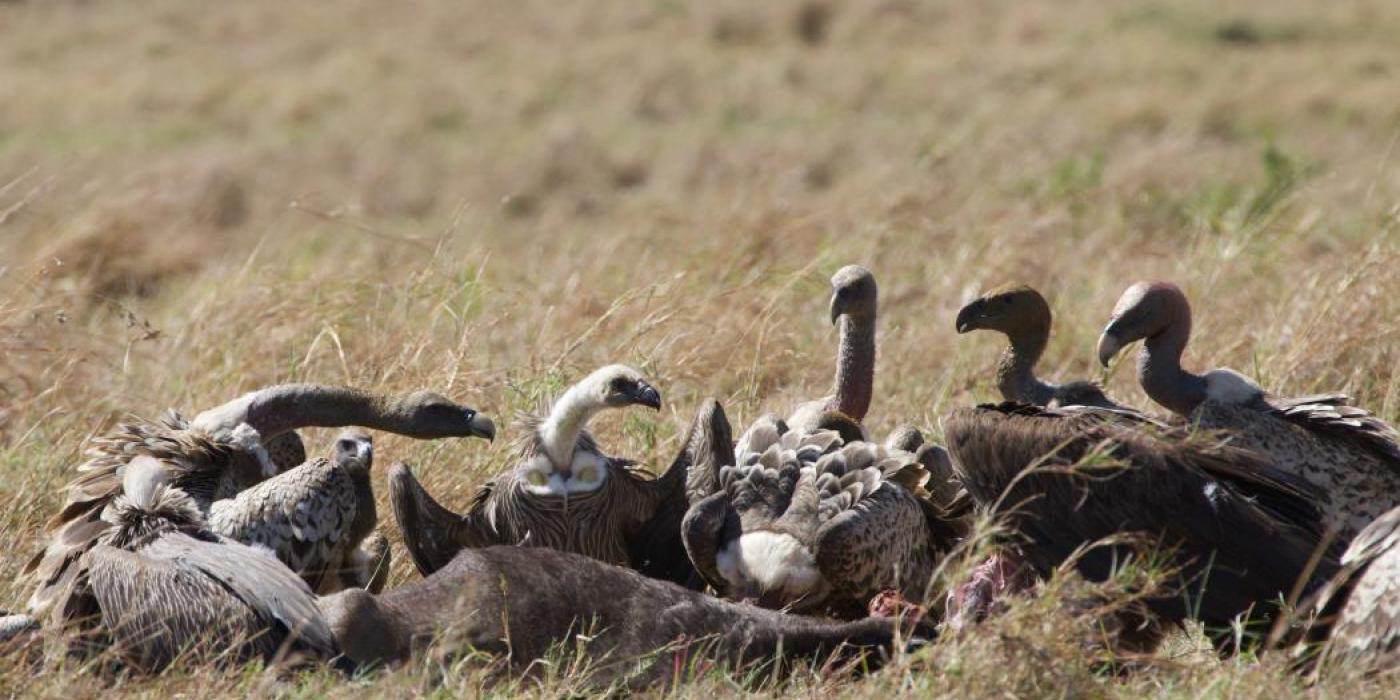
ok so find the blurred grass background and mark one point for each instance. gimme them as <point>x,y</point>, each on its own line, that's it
<point>491,199</point>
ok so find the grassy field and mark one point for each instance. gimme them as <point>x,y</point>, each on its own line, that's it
<point>491,199</point>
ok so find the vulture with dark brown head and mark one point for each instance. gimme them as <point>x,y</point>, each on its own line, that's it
<point>1073,483</point>
<point>565,493</point>
<point>1023,316</point>
<point>1350,455</point>
<point>215,456</point>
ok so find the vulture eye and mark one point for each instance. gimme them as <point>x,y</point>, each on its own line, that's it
<point>347,445</point>
<point>587,474</point>
<point>537,478</point>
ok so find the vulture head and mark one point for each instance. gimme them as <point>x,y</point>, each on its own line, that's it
<point>1146,310</point>
<point>354,451</point>
<point>434,416</point>
<point>560,458</point>
<point>853,293</point>
<point>1015,310</point>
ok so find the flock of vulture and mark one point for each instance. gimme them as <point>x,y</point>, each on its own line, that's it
<point>1275,522</point>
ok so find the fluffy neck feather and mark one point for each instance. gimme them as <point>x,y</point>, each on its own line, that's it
<point>855,365</point>
<point>1159,365</point>
<point>1016,371</point>
<point>567,418</point>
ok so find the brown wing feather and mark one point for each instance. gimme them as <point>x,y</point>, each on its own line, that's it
<point>1212,507</point>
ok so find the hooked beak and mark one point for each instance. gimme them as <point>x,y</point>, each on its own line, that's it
<point>364,450</point>
<point>647,395</point>
<point>482,427</point>
<point>968,315</point>
<point>1109,346</point>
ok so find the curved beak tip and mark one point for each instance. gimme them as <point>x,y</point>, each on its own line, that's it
<point>1108,348</point>
<point>482,427</point>
<point>650,397</point>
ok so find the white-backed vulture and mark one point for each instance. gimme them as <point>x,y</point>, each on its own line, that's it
<point>524,604</point>
<point>809,522</point>
<point>565,493</point>
<point>214,456</point>
<point>1238,533</point>
<point>166,586</point>
<point>313,517</point>
<point>854,306</point>
<point>1352,456</point>
<point>1357,614</point>
<point>1023,316</point>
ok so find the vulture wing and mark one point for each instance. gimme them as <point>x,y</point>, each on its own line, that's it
<point>1067,479</point>
<point>1357,614</point>
<point>656,548</point>
<point>1331,414</point>
<point>432,533</point>
<point>304,516</point>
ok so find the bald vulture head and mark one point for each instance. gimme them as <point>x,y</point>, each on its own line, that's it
<point>436,416</point>
<point>354,451</point>
<point>560,458</point>
<point>853,293</point>
<point>1015,310</point>
<point>1145,310</point>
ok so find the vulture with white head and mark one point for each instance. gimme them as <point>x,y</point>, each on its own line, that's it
<point>810,522</point>
<point>1238,533</point>
<point>854,307</point>
<point>166,586</point>
<point>1023,316</point>
<point>214,456</point>
<point>1350,455</point>
<point>315,518</point>
<point>564,493</point>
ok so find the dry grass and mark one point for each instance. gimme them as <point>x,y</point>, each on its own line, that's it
<point>491,198</point>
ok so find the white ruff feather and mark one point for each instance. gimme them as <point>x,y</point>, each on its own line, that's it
<point>250,440</point>
<point>1229,386</point>
<point>774,561</point>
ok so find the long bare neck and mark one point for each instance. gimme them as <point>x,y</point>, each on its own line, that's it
<point>855,365</point>
<point>1160,372</point>
<point>277,409</point>
<point>1016,371</point>
<point>566,420</point>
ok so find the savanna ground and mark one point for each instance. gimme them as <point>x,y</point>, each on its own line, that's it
<point>490,199</point>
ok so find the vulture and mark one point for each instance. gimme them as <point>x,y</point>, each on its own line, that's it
<point>1356,616</point>
<point>1350,455</point>
<point>525,604</point>
<point>214,456</point>
<point>1090,486</point>
<point>166,586</point>
<point>1023,316</point>
<point>564,493</point>
<point>854,305</point>
<point>808,521</point>
<point>314,518</point>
